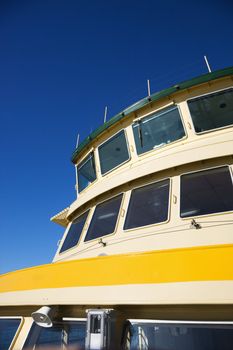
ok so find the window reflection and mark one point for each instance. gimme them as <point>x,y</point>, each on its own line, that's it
<point>212,111</point>
<point>74,232</point>
<point>113,152</point>
<point>148,205</point>
<point>104,218</point>
<point>86,172</point>
<point>165,336</point>
<point>8,328</point>
<point>206,192</point>
<point>158,129</point>
<point>63,335</point>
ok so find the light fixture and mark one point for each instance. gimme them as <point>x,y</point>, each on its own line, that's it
<point>44,316</point>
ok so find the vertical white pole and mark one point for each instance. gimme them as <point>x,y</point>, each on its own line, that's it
<point>148,87</point>
<point>77,142</point>
<point>76,173</point>
<point>105,114</point>
<point>76,177</point>
<point>207,63</point>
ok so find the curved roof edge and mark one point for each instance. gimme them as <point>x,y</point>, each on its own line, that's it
<point>154,97</point>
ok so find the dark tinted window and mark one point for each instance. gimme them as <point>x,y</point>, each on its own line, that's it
<point>158,129</point>
<point>153,336</point>
<point>148,205</point>
<point>212,111</point>
<point>86,172</point>
<point>74,233</point>
<point>8,328</point>
<point>66,332</point>
<point>113,152</point>
<point>206,192</point>
<point>104,218</point>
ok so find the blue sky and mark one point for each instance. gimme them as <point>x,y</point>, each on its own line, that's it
<point>61,63</point>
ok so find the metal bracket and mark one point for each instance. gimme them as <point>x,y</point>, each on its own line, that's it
<point>195,225</point>
<point>100,241</point>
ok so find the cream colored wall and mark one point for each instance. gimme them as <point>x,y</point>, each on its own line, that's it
<point>176,98</point>
<point>182,293</point>
<point>168,154</point>
<point>212,145</point>
<point>194,152</point>
<point>175,233</point>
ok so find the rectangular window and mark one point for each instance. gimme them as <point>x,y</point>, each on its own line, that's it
<point>74,232</point>
<point>8,329</point>
<point>206,192</point>
<point>113,152</point>
<point>179,336</point>
<point>212,111</point>
<point>148,205</point>
<point>104,218</point>
<point>69,333</point>
<point>86,172</point>
<point>158,129</point>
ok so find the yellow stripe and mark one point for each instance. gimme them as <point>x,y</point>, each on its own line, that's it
<point>210,263</point>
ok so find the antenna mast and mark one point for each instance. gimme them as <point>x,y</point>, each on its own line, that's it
<point>207,63</point>
<point>148,87</point>
<point>105,114</point>
<point>77,142</point>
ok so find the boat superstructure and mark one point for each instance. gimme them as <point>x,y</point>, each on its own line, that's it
<point>146,258</point>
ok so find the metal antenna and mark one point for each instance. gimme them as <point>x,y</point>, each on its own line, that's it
<point>77,142</point>
<point>76,172</point>
<point>105,114</point>
<point>207,63</point>
<point>148,87</point>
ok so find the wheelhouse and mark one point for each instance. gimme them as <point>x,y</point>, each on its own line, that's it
<point>145,261</point>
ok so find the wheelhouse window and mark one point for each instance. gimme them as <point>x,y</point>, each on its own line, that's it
<point>181,336</point>
<point>158,129</point>
<point>74,233</point>
<point>148,205</point>
<point>8,329</point>
<point>86,172</point>
<point>62,335</point>
<point>212,111</point>
<point>206,192</point>
<point>104,218</point>
<point>113,152</point>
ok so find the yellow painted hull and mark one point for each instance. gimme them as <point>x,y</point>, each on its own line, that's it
<point>127,276</point>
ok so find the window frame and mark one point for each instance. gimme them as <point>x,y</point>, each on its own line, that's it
<point>76,171</point>
<point>202,95</point>
<point>63,319</point>
<point>166,145</point>
<point>21,318</point>
<point>168,210</point>
<point>128,149</point>
<point>198,171</point>
<point>117,221</point>
<point>173,323</point>
<point>85,226</point>
<point>135,320</point>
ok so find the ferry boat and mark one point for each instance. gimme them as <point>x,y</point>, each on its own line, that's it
<point>146,260</point>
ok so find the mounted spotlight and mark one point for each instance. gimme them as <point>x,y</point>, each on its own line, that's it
<point>44,316</point>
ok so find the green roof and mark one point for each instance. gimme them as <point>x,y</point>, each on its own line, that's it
<point>145,101</point>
